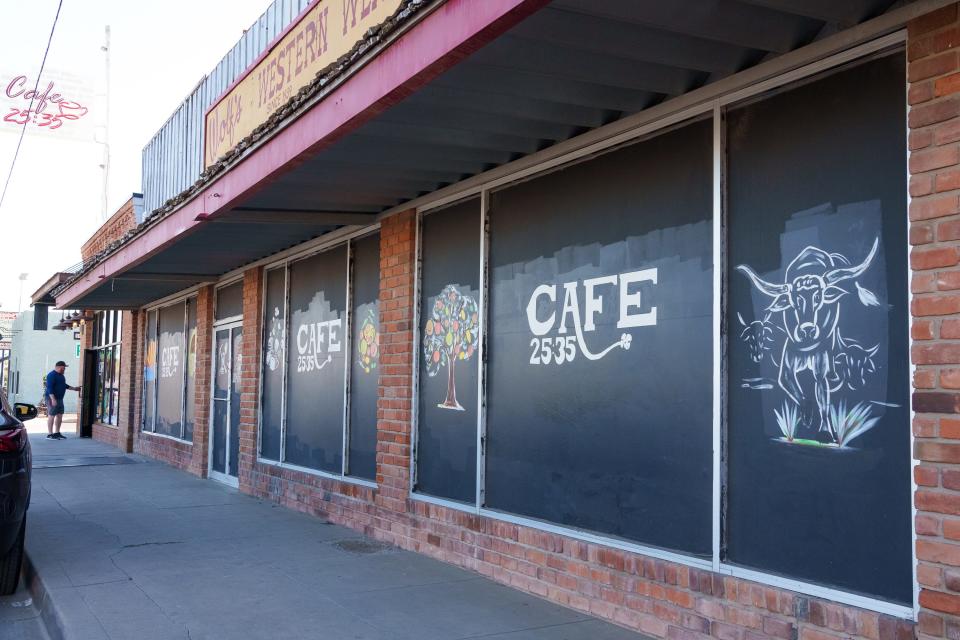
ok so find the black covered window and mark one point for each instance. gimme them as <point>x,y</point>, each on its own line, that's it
<point>819,414</point>
<point>450,334</point>
<point>321,334</point>
<point>41,314</point>
<point>599,396</point>
<point>573,324</point>
<point>169,369</point>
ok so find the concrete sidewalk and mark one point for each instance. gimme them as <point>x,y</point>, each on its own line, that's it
<point>122,547</point>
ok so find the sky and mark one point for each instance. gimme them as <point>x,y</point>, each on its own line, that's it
<point>159,51</point>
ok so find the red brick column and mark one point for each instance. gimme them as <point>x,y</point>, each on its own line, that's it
<point>934,123</point>
<point>250,375</point>
<point>140,350</point>
<point>394,404</point>
<point>128,418</point>
<point>201,399</point>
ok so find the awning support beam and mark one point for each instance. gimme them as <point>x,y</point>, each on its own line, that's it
<point>166,277</point>
<point>288,216</point>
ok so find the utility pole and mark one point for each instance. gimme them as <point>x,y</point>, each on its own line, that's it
<point>106,124</point>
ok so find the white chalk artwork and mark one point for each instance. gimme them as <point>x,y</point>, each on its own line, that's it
<point>316,342</point>
<point>223,357</point>
<point>563,348</point>
<point>276,341</point>
<point>817,364</point>
<point>450,335</point>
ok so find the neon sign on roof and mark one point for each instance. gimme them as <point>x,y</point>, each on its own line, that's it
<point>42,108</point>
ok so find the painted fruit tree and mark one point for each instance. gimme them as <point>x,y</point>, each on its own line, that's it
<point>450,335</point>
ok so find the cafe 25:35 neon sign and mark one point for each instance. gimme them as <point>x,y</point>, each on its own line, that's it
<point>60,109</point>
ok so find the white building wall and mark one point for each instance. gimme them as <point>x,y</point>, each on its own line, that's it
<point>33,354</point>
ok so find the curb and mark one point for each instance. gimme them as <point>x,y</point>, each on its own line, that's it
<point>50,614</point>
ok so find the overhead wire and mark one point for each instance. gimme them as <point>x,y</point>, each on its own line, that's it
<point>36,86</point>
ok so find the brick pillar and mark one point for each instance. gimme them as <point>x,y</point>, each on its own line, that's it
<point>250,375</point>
<point>139,350</point>
<point>395,393</point>
<point>131,353</point>
<point>201,399</point>
<point>933,44</point>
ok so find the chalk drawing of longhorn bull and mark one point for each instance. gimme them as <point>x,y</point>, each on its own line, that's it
<point>808,304</point>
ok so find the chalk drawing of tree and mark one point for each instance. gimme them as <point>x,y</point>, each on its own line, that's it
<point>450,335</point>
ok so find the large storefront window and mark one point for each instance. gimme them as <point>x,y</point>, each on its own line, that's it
<point>819,411</point>
<point>321,335</point>
<point>106,342</point>
<point>599,398</point>
<point>574,326</point>
<point>450,318</point>
<point>170,370</point>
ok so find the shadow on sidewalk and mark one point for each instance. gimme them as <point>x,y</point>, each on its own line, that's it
<point>141,550</point>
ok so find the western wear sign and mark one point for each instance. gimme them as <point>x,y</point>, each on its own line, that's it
<point>324,33</point>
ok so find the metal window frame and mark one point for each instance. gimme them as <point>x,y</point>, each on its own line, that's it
<point>412,492</point>
<point>218,287</point>
<point>100,385</point>
<point>229,326</point>
<point>345,238</point>
<point>483,184</point>
<point>156,308</point>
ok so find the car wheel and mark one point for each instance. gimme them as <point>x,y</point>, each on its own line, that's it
<point>10,563</point>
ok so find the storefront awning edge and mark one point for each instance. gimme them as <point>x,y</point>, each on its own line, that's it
<point>452,32</point>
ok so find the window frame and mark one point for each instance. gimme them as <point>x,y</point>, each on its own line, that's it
<point>185,300</point>
<point>714,109</point>
<point>284,263</point>
<point>107,382</point>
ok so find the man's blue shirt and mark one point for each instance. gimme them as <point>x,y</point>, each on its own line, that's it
<point>56,385</point>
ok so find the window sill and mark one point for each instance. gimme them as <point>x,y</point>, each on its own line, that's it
<point>166,437</point>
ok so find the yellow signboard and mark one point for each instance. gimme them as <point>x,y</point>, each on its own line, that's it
<point>324,33</point>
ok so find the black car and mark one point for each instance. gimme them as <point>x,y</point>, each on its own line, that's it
<point>15,468</point>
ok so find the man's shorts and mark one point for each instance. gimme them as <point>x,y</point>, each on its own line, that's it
<point>57,410</point>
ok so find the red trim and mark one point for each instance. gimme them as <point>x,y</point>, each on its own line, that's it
<point>445,37</point>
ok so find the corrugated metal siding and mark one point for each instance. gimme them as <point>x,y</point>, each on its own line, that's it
<point>173,159</point>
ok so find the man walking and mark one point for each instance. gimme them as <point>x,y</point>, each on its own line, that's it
<point>55,388</point>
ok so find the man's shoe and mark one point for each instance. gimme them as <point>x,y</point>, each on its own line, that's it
<point>50,436</point>
<point>59,436</point>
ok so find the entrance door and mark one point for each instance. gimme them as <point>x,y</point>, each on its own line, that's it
<point>88,393</point>
<point>225,432</point>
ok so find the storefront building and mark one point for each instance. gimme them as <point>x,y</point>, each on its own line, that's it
<point>647,310</point>
<point>104,402</point>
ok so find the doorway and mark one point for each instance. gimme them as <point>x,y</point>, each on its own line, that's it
<point>88,393</point>
<point>225,414</point>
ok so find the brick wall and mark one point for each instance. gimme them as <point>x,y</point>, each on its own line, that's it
<point>250,375</point>
<point>121,434</point>
<point>660,598</point>
<point>113,229</point>
<point>934,141</point>
<point>118,224</point>
<point>397,272</point>
<point>201,416</point>
<point>189,456</point>
<point>128,420</point>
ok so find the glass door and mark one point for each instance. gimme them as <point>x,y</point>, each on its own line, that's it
<point>225,432</point>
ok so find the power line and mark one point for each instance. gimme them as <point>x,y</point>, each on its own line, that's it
<point>30,108</point>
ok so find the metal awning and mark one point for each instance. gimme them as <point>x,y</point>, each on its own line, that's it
<point>471,87</point>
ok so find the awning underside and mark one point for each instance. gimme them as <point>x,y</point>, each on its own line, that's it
<point>571,67</point>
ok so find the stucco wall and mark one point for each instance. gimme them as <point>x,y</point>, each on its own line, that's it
<point>33,354</point>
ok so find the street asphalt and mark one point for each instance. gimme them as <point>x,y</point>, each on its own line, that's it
<point>123,547</point>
